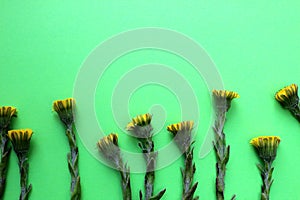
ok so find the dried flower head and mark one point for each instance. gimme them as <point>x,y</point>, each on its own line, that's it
<point>140,126</point>
<point>20,139</point>
<point>6,113</point>
<point>183,133</point>
<point>266,147</point>
<point>288,96</point>
<point>185,125</point>
<point>109,149</point>
<point>140,120</point>
<point>64,109</point>
<point>223,98</point>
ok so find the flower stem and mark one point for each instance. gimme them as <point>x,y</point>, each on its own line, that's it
<point>220,145</point>
<point>5,153</point>
<point>296,112</point>
<point>222,154</point>
<point>188,176</point>
<point>125,182</point>
<point>73,164</point>
<point>23,166</point>
<point>147,146</point>
<point>266,175</point>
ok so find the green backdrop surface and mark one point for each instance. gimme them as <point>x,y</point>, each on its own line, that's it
<point>254,44</point>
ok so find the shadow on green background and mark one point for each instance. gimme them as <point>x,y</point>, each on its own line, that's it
<point>254,45</point>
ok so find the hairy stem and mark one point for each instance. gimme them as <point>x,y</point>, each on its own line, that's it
<point>150,158</point>
<point>220,145</point>
<point>125,182</point>
<point>266,174</point>
<point>73,164</point>
<point>23,167</point>
<point>222,154</point>
<point>188,176</point>
<point>5,153</point>
<point>147,145</point>
<point>188,172</point>
<point>296,112</point>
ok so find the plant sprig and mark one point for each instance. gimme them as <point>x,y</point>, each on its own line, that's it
<point>6,114</point>
<point>64,109</point>
<point>222,100</point>
<point>141,128</point>
<point>182,133</point>
<point>266,147</point>
<point>109,149</point>
<point>288,99</point>
<point>20,140</point>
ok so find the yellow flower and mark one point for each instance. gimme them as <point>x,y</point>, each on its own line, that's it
<point>64,109</point>
<point>186,125</point>
<point>108,140</point>
<point>6,113</point>
<point>63,105</point>
<point>109,149</point>
<point>229,95</point>
<point>266,146</point>
<point>140,126</point>
<point>223,99</point>
<point>182,133</point>
<point>20,139</point>
<point>140,120</point>
<point>288,96</point>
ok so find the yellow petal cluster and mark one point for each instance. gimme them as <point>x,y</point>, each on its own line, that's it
<point>229,95</point>
<point>20,139</point>
<point>286,93</point>
<point>186,125</point>
<point>140,120</point>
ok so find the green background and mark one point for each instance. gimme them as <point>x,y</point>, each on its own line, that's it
<point>254,44</point>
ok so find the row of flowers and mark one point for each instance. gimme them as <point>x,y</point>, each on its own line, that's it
<point>141,128</point>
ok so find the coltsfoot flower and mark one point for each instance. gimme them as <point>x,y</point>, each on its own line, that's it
<point>288,96</point>
<point>222,101</point>
<point>266,147</point>
<point>140,126</point>
<point>182,133</point>
<point>20,139</point>
<point>64,109</point>
<point>267,150</point>
<point>140,120</point>
<point>223,98</point>
<point>109,148</point>
<point>6,113</point>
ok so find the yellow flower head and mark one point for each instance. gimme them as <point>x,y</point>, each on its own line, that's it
<point>223,98</point>
<point>140,126</point>
<point>266,146</point>
<point>64,109</point>
<point>108,140</point>
<point>20,139</point>
<point>229,95</point>
<point>182,133</point>
<point>109,149</point>
<point>6,113</point>
<point>140,120</point>
<point>186,125</point>
<point>288,96</point>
